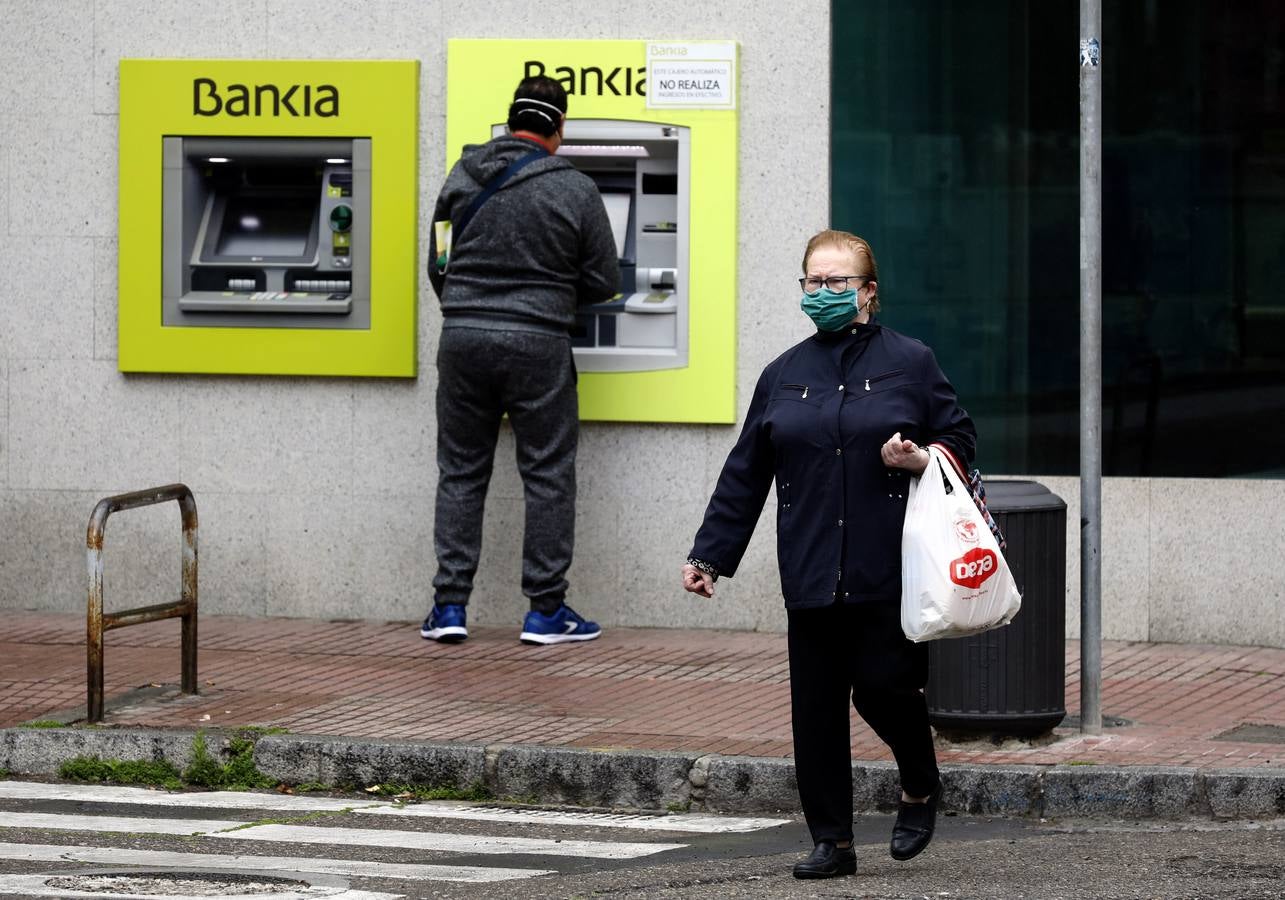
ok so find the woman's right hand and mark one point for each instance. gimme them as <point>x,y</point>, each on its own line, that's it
<point>697,582</point>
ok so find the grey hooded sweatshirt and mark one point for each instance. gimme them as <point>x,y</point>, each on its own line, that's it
<point>538,248</point>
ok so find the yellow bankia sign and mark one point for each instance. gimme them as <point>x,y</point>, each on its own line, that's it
<point>229,266</point>
<point>665,349</point>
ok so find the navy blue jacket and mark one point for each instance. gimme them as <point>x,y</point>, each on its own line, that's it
<point>820,414</point>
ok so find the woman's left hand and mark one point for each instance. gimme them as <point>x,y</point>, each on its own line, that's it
<point>697,582</point>
<point>899,454</point>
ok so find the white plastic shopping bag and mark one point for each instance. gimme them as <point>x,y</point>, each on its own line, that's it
<point>954,579</point>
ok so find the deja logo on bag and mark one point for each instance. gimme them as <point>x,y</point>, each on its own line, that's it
<point>973,568</point>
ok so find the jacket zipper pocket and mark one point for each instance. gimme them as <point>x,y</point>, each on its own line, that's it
<point>797,387</point>
<point>878,378</point>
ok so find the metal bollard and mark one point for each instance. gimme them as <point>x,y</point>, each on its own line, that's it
<point>97,622</point>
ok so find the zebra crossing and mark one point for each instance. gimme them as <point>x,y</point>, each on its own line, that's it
<point>55,840</point>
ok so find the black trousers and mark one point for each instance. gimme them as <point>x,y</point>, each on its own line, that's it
<point>854,653</point>
<point>482,375</point>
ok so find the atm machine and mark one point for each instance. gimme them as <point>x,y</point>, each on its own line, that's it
<point>642,170</point>
<point>266,232</point>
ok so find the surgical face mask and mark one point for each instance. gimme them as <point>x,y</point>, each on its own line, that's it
<point>830,311</point>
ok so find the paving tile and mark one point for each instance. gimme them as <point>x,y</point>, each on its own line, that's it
<point>692,691</point>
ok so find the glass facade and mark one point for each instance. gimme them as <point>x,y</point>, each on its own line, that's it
<point>955,153</point>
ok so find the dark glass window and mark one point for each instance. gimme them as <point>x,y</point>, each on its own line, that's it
<point>955,153</point>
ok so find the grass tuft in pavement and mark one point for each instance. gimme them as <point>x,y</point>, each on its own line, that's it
<point>121,771</point>
<point>238,773</point>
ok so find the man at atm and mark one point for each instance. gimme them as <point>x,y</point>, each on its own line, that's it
<point>520,240</point>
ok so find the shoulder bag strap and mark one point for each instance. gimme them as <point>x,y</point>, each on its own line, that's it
<point>491,187</point>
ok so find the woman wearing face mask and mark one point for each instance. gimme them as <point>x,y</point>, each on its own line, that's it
<point>840,422</point>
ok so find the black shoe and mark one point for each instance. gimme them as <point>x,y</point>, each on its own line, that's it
<point>914,828</point>
<point>827,861</point>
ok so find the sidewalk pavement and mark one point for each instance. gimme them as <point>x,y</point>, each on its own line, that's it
<point>644,717</point>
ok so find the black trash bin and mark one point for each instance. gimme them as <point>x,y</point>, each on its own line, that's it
<point>1012,680</point>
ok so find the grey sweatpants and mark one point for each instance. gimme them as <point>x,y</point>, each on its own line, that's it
<point>481,375</point>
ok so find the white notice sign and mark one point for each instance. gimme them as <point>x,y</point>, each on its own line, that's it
<point>691,76</point>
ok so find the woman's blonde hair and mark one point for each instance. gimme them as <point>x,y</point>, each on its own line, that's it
<point>860,248</point>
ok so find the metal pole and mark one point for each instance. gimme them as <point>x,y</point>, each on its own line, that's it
<point>1090,367</point>
<point>94,625</point>
<point>188,593</point>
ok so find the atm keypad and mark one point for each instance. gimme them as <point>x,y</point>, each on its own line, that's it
<point>341,294</point>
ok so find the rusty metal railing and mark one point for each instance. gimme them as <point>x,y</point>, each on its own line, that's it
<point>98,622</point>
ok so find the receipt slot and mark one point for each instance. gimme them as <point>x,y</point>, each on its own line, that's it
<point>266,232</point>
<point>642,170</point>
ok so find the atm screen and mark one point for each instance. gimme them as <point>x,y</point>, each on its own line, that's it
<point>277,226</point>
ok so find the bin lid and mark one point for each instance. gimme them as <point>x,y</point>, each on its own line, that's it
<point>1006,496</point>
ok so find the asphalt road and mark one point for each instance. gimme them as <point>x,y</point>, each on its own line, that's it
<point>584,856</point>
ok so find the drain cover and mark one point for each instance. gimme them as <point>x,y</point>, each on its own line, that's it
<point>176,883</point>
<point>1254,734</point>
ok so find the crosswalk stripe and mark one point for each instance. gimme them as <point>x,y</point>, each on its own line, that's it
<point>695,824</point>
<point>103,793</point>
<point>303,834</point>
<point>34,886</point>
<point>62,853</point>
<point>433,840</point>
<point>685,823</point>
<point>117,824</point>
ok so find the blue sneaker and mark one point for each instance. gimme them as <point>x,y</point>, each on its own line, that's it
<point>445,623</point>
<point>560,626</point>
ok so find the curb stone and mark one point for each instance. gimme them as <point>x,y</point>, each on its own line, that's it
<point>1143,792</point>
<point>608,778</point>
<point>301,759</point>
<point>749,784</point>
<point>41,751</point>
<point>1245,793</point>
<point>1008,791</point>
<point>737,785</point>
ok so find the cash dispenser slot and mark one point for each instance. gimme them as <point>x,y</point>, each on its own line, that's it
<point>267,232</point>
